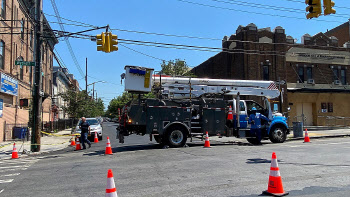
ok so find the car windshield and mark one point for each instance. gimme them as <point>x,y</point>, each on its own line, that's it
<point>90,121</point>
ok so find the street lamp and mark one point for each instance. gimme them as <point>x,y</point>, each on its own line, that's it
<point>93,87</point>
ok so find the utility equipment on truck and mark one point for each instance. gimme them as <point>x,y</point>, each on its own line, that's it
<point>189,107</point>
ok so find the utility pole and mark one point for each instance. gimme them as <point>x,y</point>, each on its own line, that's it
<point>86,79</point>
<point>93,91</point>
<point>36,123</point>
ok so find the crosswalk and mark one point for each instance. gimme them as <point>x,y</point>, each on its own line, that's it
<point>12,168</point>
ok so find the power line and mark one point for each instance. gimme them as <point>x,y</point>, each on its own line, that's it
<point>297,1</point>
<point>270,7</point>
<point>66,39</point>
<point>251,12</point>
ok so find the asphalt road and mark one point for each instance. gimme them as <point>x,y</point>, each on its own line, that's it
<point>143,168</point>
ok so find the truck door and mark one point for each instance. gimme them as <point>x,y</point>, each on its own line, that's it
<point>243,117</point>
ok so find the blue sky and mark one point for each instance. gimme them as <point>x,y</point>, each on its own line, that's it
<point>199,18</point>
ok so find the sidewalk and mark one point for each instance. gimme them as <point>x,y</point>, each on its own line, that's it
<point>312,134</point>
<point>49,143</point>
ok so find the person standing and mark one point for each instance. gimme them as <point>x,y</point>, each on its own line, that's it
<point>255,121</point>
<point>85,131</point>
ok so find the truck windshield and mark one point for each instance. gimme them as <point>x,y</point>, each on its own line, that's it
<point>251,104</point>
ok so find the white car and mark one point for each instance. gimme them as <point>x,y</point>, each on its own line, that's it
<point>95,126</point>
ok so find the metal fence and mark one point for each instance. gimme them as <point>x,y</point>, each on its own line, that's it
<point>336,121</point>
<point>59,125</point>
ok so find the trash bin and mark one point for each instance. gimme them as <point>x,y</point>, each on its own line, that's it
<point>19,132</point>
<point>298,129</point>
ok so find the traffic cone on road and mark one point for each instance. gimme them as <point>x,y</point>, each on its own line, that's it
<point>275,186</point>
<point>206,143</point>
<point>306,138</point>
<point>230,114</point>
<point>111,191</point>
<point>14,152</point>
<point>96,138</point>
<point>108,148</point>
<point>72,142</point>
<point>77,146</point>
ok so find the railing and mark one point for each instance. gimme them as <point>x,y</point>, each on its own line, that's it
<point>336,121</point>
<point>59,125</point>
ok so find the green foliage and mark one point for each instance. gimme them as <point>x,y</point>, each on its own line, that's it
<point>176,68</point>
<point>121,101</point>
<point>79,104</point>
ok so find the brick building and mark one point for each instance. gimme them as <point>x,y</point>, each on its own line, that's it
<point>315,72</point>
<point>341,32</point>
<point>16,43</point>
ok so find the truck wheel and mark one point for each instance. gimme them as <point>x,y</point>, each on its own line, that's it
<point>175,137</point>
<point>278,134</point>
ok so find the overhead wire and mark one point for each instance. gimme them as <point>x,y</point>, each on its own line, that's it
<point>70,49</point>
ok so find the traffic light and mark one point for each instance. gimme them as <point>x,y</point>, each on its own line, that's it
<point>113,42</point>
<point>328,7</point>
<point>101,42</point>
<point>314,8</point>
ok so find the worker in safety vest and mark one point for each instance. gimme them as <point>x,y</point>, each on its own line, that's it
<point>255,121</point>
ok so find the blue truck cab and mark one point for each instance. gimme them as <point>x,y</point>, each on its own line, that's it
<point>276,129</point>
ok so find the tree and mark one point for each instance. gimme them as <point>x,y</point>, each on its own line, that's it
<point>176,68</point>
<point>78,105</point>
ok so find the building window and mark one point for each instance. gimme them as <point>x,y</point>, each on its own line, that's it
<point>31,39</point>
<point>266,72</point>
<point>335,74</point>
<point>309,73</point>
<point>3,9</point>
<point>343,76</point>
<point>21,72</point>
<point>22,28</point>
<point>2,54</point>
<point>301,74</point>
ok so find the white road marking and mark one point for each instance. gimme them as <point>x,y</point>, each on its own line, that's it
<point>6,170</point>
<point>1,191</point>
<point>6,181</point>
<point>15,174</point>
<point>25,166</point>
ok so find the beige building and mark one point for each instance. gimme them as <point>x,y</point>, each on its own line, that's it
<point>16,43</point>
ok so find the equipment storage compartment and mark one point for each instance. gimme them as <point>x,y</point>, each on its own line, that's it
<point>138,79</point>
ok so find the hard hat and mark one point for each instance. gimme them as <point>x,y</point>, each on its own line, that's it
<point>253,109</point>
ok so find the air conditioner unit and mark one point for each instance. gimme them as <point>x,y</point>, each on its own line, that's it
<point>311,81</point>
<point>336,82</point>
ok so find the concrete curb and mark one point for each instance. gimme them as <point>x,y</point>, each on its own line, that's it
<point>319,137</point>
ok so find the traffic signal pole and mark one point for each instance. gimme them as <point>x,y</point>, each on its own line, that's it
<point>36,110</point>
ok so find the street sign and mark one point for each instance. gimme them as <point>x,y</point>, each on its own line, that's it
<point>24,63</point>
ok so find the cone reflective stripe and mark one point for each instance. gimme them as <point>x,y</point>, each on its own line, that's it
<point>275,186</point>
<point>96,138</point>
<point>14,152</point>
<point>77,146</point>
<point>306,138</point>
<point>72,142</point>
<point>108,148</point>
<point>230,114</point>
<point>206,143</point>
<point>111,191</point>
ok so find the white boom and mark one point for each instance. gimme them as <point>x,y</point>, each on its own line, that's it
<point>178,87</point>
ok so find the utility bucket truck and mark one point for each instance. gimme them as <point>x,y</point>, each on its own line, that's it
<point>189,107</point>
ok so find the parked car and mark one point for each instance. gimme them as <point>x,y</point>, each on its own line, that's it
<point>95,126</point>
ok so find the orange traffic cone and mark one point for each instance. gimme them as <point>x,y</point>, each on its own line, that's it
<point>78,147</point>
<point>14,152</point>
<point>230,115</point>
<point>108,148</point>
<point>306,138</point>
<point>72,142</point>
<point>206,143</point>
<point>96,138</point>
<point>275,186</point>
<point>111,191</point>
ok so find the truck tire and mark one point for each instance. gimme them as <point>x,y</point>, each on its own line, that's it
<point>278,134</point>
<point>176,136</point>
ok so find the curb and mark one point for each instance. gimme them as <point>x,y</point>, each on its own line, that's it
<point>319,137</point>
